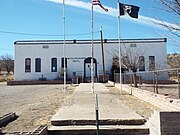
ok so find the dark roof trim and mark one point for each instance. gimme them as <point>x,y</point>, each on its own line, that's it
<point>96,41</point>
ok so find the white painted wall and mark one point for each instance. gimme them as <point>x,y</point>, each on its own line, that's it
<point>76,53</point>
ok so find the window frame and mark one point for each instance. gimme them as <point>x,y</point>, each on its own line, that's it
<point>142,63</point>
<point>37,64</point>
<point>53,64</point>
<point>27,66</point>
<point>152,64</point>
<point>62,62</point>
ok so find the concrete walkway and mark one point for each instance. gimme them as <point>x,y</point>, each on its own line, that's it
<point>81,108</point>
<point>78,116</point>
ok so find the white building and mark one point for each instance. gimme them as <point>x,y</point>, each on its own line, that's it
<point>34,59</point>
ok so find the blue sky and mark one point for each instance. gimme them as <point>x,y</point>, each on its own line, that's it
<point>45,17</point>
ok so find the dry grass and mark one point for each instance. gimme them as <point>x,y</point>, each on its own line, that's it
<point>139,106</point>
<point>6,77</point>
<point>34,104</point>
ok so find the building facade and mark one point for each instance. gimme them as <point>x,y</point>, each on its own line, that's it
<point>45,58</point>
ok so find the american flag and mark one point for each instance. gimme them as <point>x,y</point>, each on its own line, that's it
<point>97,2</point>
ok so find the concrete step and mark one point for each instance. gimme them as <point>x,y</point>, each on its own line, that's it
<point>103,130</point>
<point>78,116</point>
<point>71,122</point>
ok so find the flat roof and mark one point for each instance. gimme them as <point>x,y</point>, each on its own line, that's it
<point>96,41</point>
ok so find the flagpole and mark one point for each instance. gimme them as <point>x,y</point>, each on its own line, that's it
<point>64,47</point>
<point>92,51</point>
<point>102,49</point>
<point>120,65</point>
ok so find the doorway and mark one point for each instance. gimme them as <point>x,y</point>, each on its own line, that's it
<point>87,69</point>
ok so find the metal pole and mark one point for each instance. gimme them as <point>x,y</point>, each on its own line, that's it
<point>64,47</point>
<point>120,66</point>
<point>154,82</point>
<point>178,83</point>
<point>102,49</point>
<point>157,84</point>
<point>92,50</point>
<point>97,116</point>
<point>139,81</point>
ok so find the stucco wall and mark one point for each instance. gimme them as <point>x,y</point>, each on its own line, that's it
<point>76,54</point>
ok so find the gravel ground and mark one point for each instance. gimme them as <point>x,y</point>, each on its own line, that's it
<point>34,104</point>
<point>139,106</point>
<point>170,90</point>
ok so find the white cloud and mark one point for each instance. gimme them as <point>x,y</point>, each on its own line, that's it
<point>113,12</point>
<point>154,22</point>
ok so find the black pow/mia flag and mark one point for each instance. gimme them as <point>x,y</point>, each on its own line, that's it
<point>131,10</point>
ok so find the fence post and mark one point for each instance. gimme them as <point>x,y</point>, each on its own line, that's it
<point>114,77</point>
<point>154,82</point>
<point>178,77</point>
<point>157,84</point>
<point>139,81</point>
<point>131,80</point>
<point>124,78</point>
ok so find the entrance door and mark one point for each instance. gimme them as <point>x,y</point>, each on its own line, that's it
<point>88,70</point>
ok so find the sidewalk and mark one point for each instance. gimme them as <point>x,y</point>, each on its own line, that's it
<point>81,108</point>
<point>78,116</point>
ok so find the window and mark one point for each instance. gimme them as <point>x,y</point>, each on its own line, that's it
<point>37,65</point>
<point>62,62</point>
<point>141,63</point>
<point>116,61</point>
<point>54,65</point>
<point>27,65</point>
<point>126,62</point>
<point>151,63</point>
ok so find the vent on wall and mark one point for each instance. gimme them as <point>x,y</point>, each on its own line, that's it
<point>132,45</point>
<point>105,40</point>
<point>45,46</point>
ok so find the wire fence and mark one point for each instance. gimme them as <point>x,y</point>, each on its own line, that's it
<point>78,76</point>
<point>165,82</point>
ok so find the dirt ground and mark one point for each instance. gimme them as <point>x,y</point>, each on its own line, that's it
<point>170,90</point>
<point>139,106</point>
<point>34,104</point>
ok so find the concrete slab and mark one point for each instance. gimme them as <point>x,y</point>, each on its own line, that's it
<point>103,130</point>
<point>142,127</point>
<point>80,110</point>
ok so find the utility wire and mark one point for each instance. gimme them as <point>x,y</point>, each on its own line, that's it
<point>45,35</point>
